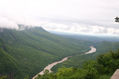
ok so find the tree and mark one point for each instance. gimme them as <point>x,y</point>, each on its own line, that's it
<point>3,77</point>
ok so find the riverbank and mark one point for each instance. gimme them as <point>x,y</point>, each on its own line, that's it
<point>50,66</point>
<point>92,50</point>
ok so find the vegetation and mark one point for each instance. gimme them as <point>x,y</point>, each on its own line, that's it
<point>102,45</point>
<point>26,52</point>
<point>23,53</point>
<point>102,68</point>
<point>78,59</point>
<point>3,77</point>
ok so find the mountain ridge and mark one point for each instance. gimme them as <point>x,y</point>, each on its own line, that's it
<point>34,48</point>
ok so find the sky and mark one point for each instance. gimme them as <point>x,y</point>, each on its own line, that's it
<point>95,17</point>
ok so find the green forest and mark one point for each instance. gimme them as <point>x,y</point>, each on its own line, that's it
<point>24,53</point>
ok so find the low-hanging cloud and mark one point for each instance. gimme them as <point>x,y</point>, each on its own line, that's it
<point>74,16</point>
<point>11,22</point>
<point>82,29</point>
<point>6,23</point>
<point>72,27</point>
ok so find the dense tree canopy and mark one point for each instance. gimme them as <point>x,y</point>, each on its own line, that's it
<point>102,68</point>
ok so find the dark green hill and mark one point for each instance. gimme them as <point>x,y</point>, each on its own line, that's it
<point>29,51</point>
<point>8,65</point>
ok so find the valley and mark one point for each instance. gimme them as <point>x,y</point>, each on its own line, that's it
<point>50,66</point>
<point>22,49</point>
<point>59,39</point>
<point>27,46</point>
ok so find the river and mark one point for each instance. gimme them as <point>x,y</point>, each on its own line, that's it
<point>50,66</point>
<point>92,50</point>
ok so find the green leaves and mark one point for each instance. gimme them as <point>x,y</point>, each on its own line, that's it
<point>3,77</point>
<point>102,68</point>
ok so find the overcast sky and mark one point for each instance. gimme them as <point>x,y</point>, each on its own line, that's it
<point>74,16</point>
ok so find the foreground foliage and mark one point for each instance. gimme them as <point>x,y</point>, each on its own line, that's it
<point>102,68</point>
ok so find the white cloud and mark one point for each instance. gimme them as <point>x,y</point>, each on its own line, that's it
<point>81,29</point>
<point>80,16</point>
<point>6,23</point>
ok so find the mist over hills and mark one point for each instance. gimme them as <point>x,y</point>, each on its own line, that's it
<point>92,38</point>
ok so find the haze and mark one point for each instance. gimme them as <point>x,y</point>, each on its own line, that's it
<point>73,16</point>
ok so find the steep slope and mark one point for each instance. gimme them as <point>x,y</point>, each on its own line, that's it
<point>34,48</point>
<point>8,65</point>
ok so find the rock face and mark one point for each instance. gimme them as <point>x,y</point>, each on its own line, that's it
<point>115,75</point>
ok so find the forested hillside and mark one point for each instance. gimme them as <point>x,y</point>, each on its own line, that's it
<point>8,65</point>
<point>26,52</point>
